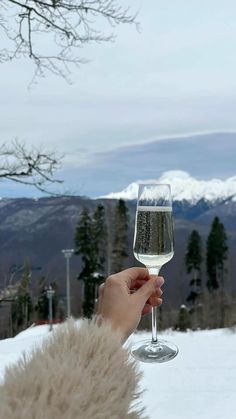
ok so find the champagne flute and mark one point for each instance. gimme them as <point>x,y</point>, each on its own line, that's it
<point>154,246</point>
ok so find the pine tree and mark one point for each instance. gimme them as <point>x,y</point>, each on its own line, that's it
<point>100,237</point>
<point>217,250</point>
<point>183,319</point>
<point>84,244</point>
<point>193,261</point>
<point>41,306</point>
<point>120,237</point>
<point>216,255</point>
<point>22,307</point>
<point>84,247</point>
<point>90,244</point>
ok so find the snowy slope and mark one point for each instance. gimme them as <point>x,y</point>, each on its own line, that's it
<point>185,187</point>
<point>199,383</point>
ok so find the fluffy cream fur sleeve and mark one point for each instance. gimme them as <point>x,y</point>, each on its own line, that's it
<point>79,373</point>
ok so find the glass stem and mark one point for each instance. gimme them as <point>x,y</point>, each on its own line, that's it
<point>154,325</point>
<point>154,271</point>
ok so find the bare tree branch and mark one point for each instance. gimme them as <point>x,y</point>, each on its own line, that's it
<point>29,166</point>
<point>67,24</point>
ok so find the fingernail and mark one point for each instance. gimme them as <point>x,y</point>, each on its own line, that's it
<point>159,281</point>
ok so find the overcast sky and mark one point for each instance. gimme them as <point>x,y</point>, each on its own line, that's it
<point>176,76</point>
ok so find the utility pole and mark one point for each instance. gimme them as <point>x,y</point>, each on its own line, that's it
<point>68,253</point>
<point>50,294</point>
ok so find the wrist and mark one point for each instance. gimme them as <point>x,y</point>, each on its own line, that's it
<point>115,326</point>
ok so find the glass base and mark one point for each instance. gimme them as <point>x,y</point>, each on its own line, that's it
<point>162,351</point>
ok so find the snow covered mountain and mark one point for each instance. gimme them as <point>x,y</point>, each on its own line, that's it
<point>185,188</point>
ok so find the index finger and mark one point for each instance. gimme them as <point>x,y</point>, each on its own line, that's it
<point>132,275</point>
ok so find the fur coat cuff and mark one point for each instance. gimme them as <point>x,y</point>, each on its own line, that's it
<point>80,372</point>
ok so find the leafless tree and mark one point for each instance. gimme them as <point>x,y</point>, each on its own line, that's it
<point>29,166</point>
<point>67,25</point>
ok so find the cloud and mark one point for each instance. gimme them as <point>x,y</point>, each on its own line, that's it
<point>93,174</point>
<point>204,157</point>
<point>176,76</point>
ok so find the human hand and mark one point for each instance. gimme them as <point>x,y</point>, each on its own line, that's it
<point>125,296</point>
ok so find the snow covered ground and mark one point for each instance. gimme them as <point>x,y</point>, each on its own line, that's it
<point>199,383</point>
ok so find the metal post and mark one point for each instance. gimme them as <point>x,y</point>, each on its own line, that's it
<point>50,293</point>
<point>68,286</point>
<point>50,312</point>
<point>68,253</point>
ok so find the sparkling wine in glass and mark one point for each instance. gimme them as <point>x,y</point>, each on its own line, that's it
<point>154,246</point>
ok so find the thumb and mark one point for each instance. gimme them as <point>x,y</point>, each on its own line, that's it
<point>149,288</point>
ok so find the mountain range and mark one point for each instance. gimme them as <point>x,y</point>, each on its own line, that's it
<point>36,230</point>
<point>186,188</point>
